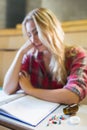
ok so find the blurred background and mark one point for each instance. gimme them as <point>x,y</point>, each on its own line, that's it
<point>13,12</point>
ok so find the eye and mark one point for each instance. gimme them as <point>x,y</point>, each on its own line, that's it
<point>36,32</point>
<point>29,35</point>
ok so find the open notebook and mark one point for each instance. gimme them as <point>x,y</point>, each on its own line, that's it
<point>28,109</point>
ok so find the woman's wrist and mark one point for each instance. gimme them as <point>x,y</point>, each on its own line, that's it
<point>29,91</point>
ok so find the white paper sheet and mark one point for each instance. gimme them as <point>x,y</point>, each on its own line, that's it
<point>28,109</point>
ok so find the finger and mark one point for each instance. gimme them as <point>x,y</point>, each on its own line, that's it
<point>21,75</point>
<point>25,73</point>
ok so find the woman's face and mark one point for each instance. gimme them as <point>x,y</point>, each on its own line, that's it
<point>33,36</point>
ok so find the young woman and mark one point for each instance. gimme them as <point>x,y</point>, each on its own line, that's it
<point>44,67</point>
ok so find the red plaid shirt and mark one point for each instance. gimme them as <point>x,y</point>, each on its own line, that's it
<point>36,69</point>
<point>76,65</point>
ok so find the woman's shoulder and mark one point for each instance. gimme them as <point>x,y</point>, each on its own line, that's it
<point>72,51</point>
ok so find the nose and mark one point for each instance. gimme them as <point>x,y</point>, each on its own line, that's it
<point>33,39</point>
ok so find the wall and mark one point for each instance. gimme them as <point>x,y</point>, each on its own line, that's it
<point>67,9</point>
<point>32,4</point>
<point>12,12</point>
<point>15,12</point>
<point>2,13</point>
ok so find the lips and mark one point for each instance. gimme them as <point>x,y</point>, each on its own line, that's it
<point>37,46</point>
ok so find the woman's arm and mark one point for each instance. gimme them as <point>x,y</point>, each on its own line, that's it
<point>10,84</point>
<point>11,78</point>
<point>64,96</point>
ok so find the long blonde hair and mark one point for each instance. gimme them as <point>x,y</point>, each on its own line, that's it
<point>52,36</point>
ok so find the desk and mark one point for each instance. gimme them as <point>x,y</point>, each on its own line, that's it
<point>65,125</point>
<point>15,125</point>
<point>82,113</point>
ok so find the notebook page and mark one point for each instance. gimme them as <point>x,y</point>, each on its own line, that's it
<point>30,110</point>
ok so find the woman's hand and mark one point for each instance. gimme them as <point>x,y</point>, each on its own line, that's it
<point>26,47</point>
<point>24,82</point>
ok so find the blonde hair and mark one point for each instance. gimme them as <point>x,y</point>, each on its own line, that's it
<point>52,36</point>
